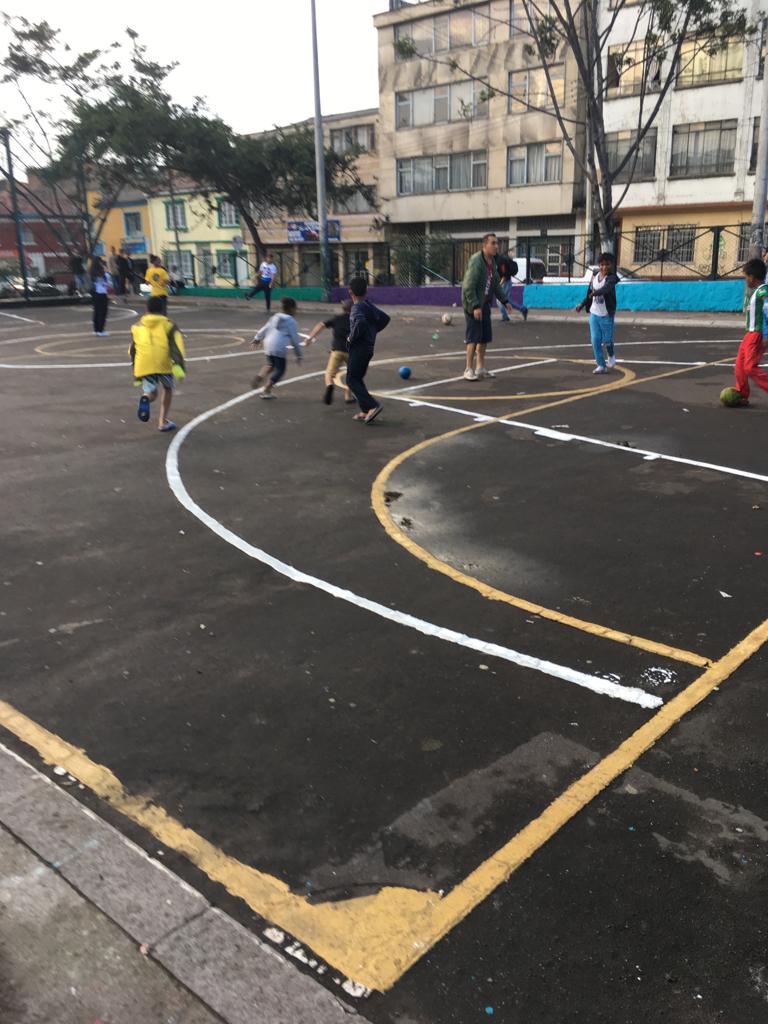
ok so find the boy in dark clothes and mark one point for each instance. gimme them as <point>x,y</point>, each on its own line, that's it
<point>365,322</point>
<point>338,356</point>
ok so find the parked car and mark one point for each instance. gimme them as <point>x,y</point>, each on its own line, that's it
<point>13,288</point>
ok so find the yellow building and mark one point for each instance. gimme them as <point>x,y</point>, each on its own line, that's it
<point>201,236</point>
<point>124,226</point>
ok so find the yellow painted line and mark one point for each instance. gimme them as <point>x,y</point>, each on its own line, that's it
<point>376,939</point>
<point>383,514</point>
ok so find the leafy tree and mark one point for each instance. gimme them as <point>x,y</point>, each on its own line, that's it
<point>673,36</point>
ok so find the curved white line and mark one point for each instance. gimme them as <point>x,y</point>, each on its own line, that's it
<point>632,694</point>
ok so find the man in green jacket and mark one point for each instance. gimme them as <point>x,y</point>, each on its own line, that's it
<point>481,283</point>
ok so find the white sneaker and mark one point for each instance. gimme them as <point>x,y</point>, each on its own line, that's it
<point>600,369</point>
<point>469,374</point>
<point>610,362</point>
<point>483,374</point>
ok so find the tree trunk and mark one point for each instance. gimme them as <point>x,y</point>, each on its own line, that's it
<point>254,231</point>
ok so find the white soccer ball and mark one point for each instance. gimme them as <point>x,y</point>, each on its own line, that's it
<point>447,318</point>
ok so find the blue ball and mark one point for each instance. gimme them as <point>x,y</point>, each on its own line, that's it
<point>405,372</point>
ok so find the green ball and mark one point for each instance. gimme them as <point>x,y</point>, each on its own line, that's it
<point>731,396</point>
<point>435,336</point>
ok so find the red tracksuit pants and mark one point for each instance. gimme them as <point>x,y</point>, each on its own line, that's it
<point>751,351</point>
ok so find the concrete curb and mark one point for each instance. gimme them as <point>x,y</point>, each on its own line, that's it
<point>224,965</point>
<point>538,316</point>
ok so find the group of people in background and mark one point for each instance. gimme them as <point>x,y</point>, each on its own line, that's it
<point>103,281</point>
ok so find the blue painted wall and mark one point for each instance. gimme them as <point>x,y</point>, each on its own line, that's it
<point>690,296</point>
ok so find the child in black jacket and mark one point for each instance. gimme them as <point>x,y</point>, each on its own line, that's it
<point>600,303</point>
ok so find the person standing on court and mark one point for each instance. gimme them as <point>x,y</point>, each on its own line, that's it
<point>100,285</point>
<point>365,322</point>
<point>481,283</point>
<point>124,274</point>
<point>158,279</point>
<point>113,269</point>
<point>264,279</point>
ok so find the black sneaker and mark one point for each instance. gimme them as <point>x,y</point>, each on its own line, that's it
<point>524,311</point>
<point>328,394</point>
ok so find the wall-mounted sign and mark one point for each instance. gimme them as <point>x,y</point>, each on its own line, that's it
<point>309,231</point>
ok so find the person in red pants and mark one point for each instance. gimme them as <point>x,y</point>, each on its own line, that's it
<point>752,348</point>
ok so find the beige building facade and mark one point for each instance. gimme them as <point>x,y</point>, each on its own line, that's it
<point>468,140</point>
<point>356,230</point>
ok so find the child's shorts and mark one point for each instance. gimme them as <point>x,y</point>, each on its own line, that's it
<point>150,383</point>
<point>335,362</point>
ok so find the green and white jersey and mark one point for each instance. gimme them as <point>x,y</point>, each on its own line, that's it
<point>755,309</point>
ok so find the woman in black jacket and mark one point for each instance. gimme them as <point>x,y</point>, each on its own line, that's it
<point>600,303</point>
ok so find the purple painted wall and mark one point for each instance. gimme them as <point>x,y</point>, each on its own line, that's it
<point>384,296</point>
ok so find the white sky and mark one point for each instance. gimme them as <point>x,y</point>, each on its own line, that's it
<point>251,59</point>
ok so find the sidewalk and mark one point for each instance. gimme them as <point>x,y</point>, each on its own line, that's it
<point>94,931</point>
<point>727,321</point>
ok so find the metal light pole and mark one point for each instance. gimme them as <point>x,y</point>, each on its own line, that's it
<point>15,211</point>
<point>757,230</point>
<point>322,213</point>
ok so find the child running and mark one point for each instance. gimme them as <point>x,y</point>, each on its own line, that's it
<point>157,353</point>
<point>365,320</point>
<point>278,333</point>
<point>338,356</point>
<point>752,347</point>
<point>600,303</point>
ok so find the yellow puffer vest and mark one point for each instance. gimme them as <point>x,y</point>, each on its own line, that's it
<point>150,348</point>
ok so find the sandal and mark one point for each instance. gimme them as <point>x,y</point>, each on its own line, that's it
<point>371,416</point>
<point>359,416</point>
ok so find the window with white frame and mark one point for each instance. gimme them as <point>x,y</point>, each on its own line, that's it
<point>642,165</point>
<point>356,138</point>
<point>457,101</point>
<point>184,262</point>
<point>538,163</point>
<point>176,214</point>
<point>446,172</point>
<point>225,264</point>
<point>703,148</point>
<point>228,215</point>
<point>700,64</point>
<point>132,224</point>
<point>632,70</point>
<point>528,88</point>
<point>469,26</point>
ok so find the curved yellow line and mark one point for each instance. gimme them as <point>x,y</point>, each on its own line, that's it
<point>382,512</point>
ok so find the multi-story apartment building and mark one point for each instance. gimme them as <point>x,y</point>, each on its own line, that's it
<point>697,164</point>
<point>355,230</point>
<point>124,223</point>
<point>467,141</point>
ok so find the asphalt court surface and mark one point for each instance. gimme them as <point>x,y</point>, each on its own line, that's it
<point>346,751</point>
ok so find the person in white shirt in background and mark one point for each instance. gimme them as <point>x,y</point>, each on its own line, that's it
<point>264,280</point>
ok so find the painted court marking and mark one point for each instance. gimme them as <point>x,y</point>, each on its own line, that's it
<point>632,694</point>
<point>450,380</point>
<point>560,435</point>
<point>396,533</point>
<point>376,939</point>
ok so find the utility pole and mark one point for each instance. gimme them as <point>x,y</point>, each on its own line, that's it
<point>322,213</point>
<point>174,218</point>
<point>6,134</point>
<point>757,231</point>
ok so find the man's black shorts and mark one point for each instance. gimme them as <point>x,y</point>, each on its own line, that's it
<point>479,331</point>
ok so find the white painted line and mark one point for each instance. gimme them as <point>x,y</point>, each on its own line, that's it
<point>450,380</point>
<point>658,362</point>
<point>631,694</point>
<point>557,435</point>
<point>26,320</point>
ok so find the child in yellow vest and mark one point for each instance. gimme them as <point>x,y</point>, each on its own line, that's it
<point>157,352</point>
